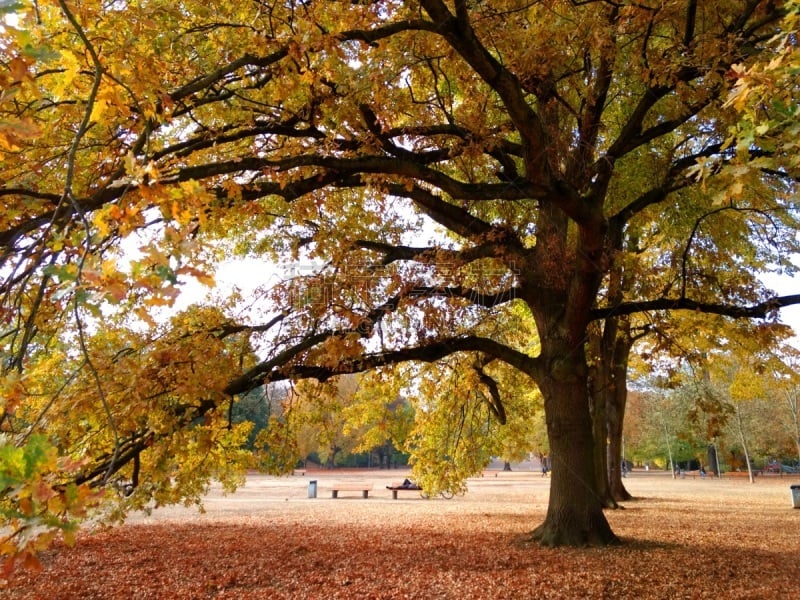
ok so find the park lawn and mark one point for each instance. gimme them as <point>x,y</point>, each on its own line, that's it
<point>691,538</point>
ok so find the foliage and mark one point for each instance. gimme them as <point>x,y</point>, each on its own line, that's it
<point>735,401</point>
<point>669,427</point>
<point>255,407</point>
<point>379,414</point>
<point>767,95</point>
<point>126,393</point>
<point>447,442</point>
<point>39,500</point>
<point>277,450</point>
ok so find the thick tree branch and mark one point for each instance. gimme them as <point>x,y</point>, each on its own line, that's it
<point>434,254</point>
<point>208,81</point>
<point>277,370</point>
<point>474,296</point>
<point>762,310</point>
<point>495,401</point>
<point>591,118</point>
<point>453,218</point>
<point>287,357</point>
<point>460,35</point>
<point>691,18</point>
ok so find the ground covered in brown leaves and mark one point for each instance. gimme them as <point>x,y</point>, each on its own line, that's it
<point>690,538</point>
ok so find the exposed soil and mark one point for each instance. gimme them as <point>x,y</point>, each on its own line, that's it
<point>685,538</point>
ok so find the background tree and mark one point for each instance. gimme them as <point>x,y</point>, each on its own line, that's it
<point>381,415</point>
<point>257,407</point>
<point>673,421</point>
<point>517,438</point>
<point>791,396</point>
<point>769,83</point>
<point>643,446</point>
<point>322,407</point>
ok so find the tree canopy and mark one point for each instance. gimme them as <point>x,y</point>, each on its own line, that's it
<point>464,181</point>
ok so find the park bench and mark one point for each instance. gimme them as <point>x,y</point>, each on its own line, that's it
<point>364,488</point>
<point>770,473</point>
<point>696,473</point>
<point>397,486</point>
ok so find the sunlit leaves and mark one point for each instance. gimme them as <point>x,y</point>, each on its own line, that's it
<point>277,446</point>
<point>39,503</point>
<point>767,97</point>
<point>151,387</point>
<point>18,84</point>
<point>452,424</point>
<point>379,414</point>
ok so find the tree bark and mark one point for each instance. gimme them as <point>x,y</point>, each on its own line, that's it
<point>618,490</point>
<point>615,408</point>
<point>603,462</point>
<point>792,401</point>
<point>575,511</point>
<point>598,401</point>
<point>743,439</point>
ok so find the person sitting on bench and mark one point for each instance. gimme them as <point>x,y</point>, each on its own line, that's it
<point>406,485</point>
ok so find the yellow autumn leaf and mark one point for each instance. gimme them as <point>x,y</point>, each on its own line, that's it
<point>67,76</point>
<point>100,221</point>
<point>109,267</point>
<point>14,132</point>
<point>99,107</point>
<point>159,301</point>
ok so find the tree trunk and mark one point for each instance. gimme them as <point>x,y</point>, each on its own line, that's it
<point>797,443</point>
<point>575,512</point>
<point>618,490</point>
<point>713,459</point>
<point>562,313</point>
<point>331,462</point>
<point>615,408</point>
<point>599,386</point>
<point>603,464</point>
<point>613,356</point>
<point>794,409</point>
<point>669,446</point>
<point>743,439</point>
<point>506,466</point>
<point>609,391</point>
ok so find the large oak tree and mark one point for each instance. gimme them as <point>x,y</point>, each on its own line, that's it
<point>424,165</point>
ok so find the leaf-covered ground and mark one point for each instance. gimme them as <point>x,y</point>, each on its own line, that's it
<point>690,538</point>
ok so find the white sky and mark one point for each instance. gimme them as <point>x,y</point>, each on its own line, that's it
<point>786,285</point>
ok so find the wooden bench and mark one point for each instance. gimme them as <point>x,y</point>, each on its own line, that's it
<point>398,486</point>
<point>765,473</point>
<point>696,473</point>
<point>364,488</point>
